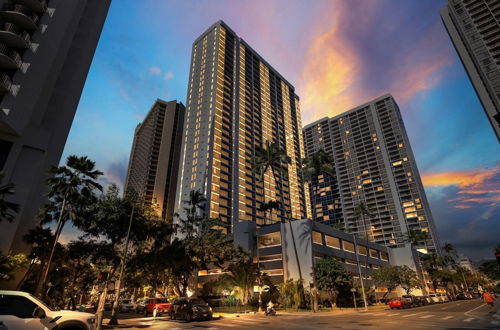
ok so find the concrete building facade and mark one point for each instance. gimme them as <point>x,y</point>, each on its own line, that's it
<point>474,29</point>
<point>374,165</point>
<point>236,102</point>
<point>154,159</point>
<point>46,48</point>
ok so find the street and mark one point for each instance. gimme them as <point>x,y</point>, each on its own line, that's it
<point>472,314</point>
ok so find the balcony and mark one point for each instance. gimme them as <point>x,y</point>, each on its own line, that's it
<point>5,83</point>
<point>9,58</point>
<point>14,37</point>
<point>21,16</point>
<point>38,6</point>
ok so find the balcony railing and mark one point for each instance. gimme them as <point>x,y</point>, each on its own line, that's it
<point>14,36</point>
<point>21,16</point>
<point>35,5</point>
<point>9,58</point>
<point>5,83</point>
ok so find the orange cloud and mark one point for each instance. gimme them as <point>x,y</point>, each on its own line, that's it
<point>476,186</point>
<point>461,179</point>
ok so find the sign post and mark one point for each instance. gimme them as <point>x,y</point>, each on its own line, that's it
<point>353,290</point>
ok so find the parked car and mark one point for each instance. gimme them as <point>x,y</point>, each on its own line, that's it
<point>435,298</point>
<point>190,309</point>
<point>443,297</point>
<point>409,299</point>
<point>21,310</point>
<point>420,301</point>
<point>127,305</point>
<point>147,305</point>
<point>399,303</point>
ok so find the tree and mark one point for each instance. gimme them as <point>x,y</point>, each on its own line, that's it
<point>290,293</point>
<point>272,157</point>
<point>7,208</point>
<point>491,269</point>
<point>195,203</point>
<point>361,210</point>
<point>408,279</point>
<point>71,188</point>
<point>11,263</point>
<point>269,207</point>
<point>242,274</point>
<point>317,164</point>
<point>330,275</point>
<point>417,237</point>
<point>387,277</point>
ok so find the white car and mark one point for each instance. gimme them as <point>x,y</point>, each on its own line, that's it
<point>435,298</point>
<point>127,305</point>
<point>21,310</point>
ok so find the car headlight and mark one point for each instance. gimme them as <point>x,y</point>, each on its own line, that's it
<point>210,308</point>
<point>91,321</point>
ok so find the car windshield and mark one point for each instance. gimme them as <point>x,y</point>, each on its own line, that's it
<point>41,302</point>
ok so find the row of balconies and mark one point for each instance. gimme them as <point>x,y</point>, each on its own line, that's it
<point>21,18</point>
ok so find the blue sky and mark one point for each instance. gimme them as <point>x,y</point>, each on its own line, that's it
<point>338,54</point>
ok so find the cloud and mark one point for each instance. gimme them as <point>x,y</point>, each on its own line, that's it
<point>115,173</point>
<point>168,75</point>
<point>474,187</point>
<point>154,70</point>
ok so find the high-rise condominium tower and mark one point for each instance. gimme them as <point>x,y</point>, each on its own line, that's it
<point>46,48</point>
<point>236,103</point>
<point>374,165</point>
<point>474,28</point>
<point>154,160</point>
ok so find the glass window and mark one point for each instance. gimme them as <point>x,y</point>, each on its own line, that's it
<point>272,257</point>
<point>17,306</point>
<point>384,256</point>
<point>268,240</point>
<point>348,246</point>
<point>273,272</point>
<point>362,250</point>
<point>350,262</point>
<point>333,242</point>
<point>317,237</point>
<point>374,253</point>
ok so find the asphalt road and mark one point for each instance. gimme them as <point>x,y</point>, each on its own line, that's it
<point>454,315</point>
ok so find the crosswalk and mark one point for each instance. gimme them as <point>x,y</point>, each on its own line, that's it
<point>425,316</point>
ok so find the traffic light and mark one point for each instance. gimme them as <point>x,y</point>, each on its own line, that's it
<point>497,254</point>
<point>102,277</point>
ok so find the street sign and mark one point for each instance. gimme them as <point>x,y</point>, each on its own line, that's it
<point>353,289</point>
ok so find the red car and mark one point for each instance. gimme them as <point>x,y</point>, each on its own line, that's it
<point>399,303</point>
<point>148,305</point>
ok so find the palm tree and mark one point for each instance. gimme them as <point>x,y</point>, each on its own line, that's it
<point>195,203</point>
<point>450,252</point>
<point>318,163</point>
<point>275,159</point>
<point>242,273</point>
<point>72,187</point>
<point>417,237</point>
<point>6,207</point>
<point>361,211</point>
<point>269,207</point>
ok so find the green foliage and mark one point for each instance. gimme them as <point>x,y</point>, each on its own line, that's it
<point>7,209</point>
<point>491,269</point>
<point>417,237</point>
<point>11,263</point>
<point>330,276</point>
<point>290,293</point>
<point>408,279</point>
<point>241,277</point>
<point>387,277</point>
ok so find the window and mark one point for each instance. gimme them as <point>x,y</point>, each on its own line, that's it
<point>16,305</point>
<point>350,262</point>
<point>272,257</point>
<point>367,181</point>
<point>384,256</point>
<point>410,209</point>
<point>406,204</point>
<point>374,253</point>
<point>273,272</point>
<point>333,242</point>
<point>411,215</point>
<point>273,239</point>
<point>348,246</point>
<point>317,238</point>
<point>397,163</point>
<point>362,250</point>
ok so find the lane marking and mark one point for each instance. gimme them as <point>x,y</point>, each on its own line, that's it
<point>444,308</point>
<point>393,314</point>
<point>446,317</point>
<point>469,319</point>
<point>408,315</point>
<point>426,316</point>
<point>474,309</point>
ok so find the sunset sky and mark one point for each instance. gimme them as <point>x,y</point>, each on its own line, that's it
<point>337,54</point>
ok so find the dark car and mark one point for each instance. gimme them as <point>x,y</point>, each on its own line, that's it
<point>420,301</point>
<point>190,309</point>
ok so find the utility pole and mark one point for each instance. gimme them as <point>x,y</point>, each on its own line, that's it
<point>114,319</point>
